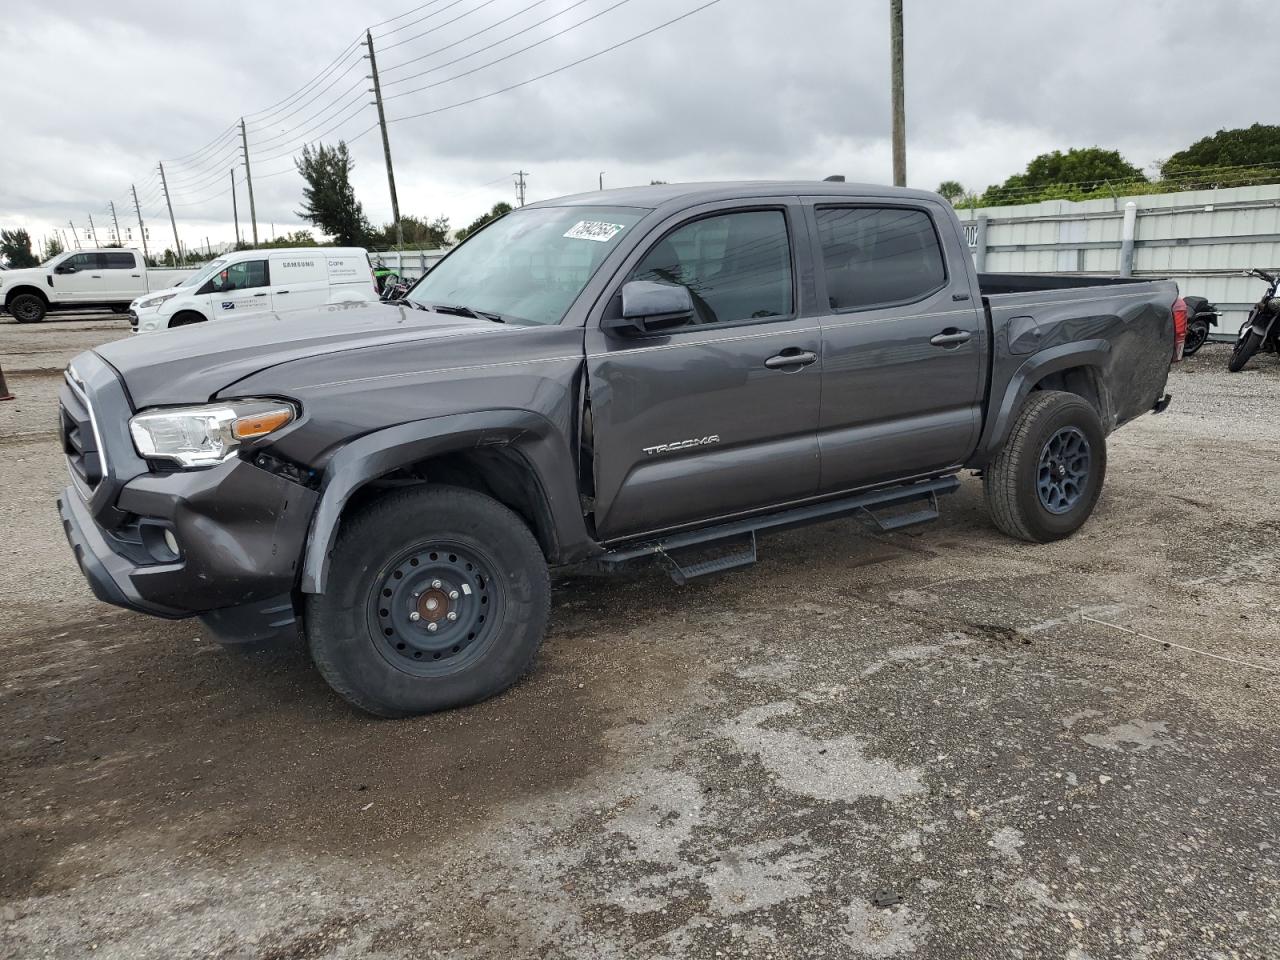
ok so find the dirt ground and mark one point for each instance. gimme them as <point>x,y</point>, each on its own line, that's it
<point>868,745</point>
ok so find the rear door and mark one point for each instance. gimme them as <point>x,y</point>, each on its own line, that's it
<point>299,280</point>
<point>903,343</point>
<point>123,276</point>
<point>241,290</point>
<point>702,421</point>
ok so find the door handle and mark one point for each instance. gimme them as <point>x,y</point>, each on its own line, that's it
<point>263,294</point>
<point>951,337</point>
<point>282,291</point>
<point>95,276</point>
<point>792,357</point>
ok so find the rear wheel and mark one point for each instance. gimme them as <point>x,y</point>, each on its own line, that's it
<point>438,597</point>
<point>1045,481</point>
<point>27,308</point>
<point>1197,334</point>
<point>1244,350</point>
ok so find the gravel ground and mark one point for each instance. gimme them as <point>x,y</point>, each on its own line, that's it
<point>867,745</point>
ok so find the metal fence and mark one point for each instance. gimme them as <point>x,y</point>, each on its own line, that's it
<point>1200,238</point>
<point>410,264</point>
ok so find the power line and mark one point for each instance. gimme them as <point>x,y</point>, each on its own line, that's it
<point>400,16</point>
<point>472,36</point>
<point>567,66</point>
<point>328,112</point>
<point>506,56</point>
<point>414,23</point>
<point>299,107</point>
<point>510,36</point>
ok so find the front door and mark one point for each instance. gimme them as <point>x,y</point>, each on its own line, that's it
<point>241,290</point>
<point>903,345</point>
<point>79,279</point>
<point>706,420</point>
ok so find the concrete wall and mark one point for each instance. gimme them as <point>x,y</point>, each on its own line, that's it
<point>1201,238</point>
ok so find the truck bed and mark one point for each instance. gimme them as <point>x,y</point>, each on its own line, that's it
<point>995,284</point>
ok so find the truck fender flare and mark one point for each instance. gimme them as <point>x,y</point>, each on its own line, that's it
<point>529,435</point>
<point>1082,353</point>
<point>12,292</point>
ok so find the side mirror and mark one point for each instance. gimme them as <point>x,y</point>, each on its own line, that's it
<point>649,307</point>
<point>65,268</point>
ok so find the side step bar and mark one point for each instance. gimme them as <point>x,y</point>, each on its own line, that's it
<point>861,505</point>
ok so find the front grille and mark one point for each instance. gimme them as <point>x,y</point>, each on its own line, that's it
<point>133,319</point>
<point>80,439</point>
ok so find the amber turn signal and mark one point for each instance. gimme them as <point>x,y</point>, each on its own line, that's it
<point>260,424</point>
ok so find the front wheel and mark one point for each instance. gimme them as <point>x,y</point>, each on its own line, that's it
<point>437,597</point>
<point>1197,334</point>
<point>27,308</point>
<point>1244,349</point>
<point>1046,479</point>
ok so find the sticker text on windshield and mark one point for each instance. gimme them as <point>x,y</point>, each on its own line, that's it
<point>595,230</point>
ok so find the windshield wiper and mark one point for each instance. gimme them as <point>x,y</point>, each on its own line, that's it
<point>458,310</point>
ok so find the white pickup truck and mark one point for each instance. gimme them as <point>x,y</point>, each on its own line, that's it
<point>82,278</point>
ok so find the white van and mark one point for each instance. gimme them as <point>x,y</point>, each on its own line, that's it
<point>250,282</point>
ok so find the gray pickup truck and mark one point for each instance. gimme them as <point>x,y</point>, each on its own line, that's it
<point>658,372</point>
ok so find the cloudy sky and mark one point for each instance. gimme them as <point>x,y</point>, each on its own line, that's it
<point>96,94</point>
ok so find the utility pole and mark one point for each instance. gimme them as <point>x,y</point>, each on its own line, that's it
<point>248,179</point>
<point>172,222</point>
<point>899,99</point>
<point>67,244</point>
<point>602,180</point>
<point>235,213</point>
<point>386,144</point>
<point>112,203</point>
<point>520,175</point>
<point>142,230</point>
<point>74,236</point>
<point>94,231</point>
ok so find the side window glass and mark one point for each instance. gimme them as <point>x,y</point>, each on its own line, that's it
<point>737,266</point>
<point>238,276</point>
<point>84,261</point>
<point>876,255</point>
<point>119,261</point>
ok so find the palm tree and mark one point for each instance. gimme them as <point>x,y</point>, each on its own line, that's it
<point>951,190</point>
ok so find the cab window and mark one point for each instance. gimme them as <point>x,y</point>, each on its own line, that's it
<point>238,276</point>
<point>118,261</point>
<point>878,255</point>
<point>82,261</point>
<point>737,266</point>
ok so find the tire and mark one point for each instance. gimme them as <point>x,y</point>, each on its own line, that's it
<point>28,308</point>
<point>1041,503</point>
<point>1197,334</point>
<point>1244,350</point>
<point>413,558</point>
<point>186,318</point>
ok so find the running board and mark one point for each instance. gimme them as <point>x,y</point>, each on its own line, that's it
<point>861,505</point>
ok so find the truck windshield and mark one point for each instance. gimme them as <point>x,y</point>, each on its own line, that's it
<point>529,266</point>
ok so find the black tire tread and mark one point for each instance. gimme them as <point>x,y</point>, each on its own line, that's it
<point>1000,478</point>
<point>371,520</point>
<point>34,296</point>
<point>191,316</point>
<point>1243,351</point>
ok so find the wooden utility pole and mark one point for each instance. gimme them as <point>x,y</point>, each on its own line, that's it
<point>386,143</point>
<point>172,222</point>
<point>94,230</point>
<point>142,228</point>
<point>235,213</point>
<point>899,99</point>
<point>520,175</point>
<point>248,179</point>
<point>116,222</point>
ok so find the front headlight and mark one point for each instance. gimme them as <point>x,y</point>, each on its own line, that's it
<point>149,302</point>
<point>203,436</point>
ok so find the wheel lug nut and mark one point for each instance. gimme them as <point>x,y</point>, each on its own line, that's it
<point>433,627</point>
<point>453,594</point>
<point>415,616</point>
<point>436,584</point>
<point>453,615</point>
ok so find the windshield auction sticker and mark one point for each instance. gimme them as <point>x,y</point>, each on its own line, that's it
<point>595,230</point>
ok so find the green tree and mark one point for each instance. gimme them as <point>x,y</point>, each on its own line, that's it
<point>15,249</point>
<point>329,200</point>
<point>298,238</point>
<point>53,247</point>
<point>500,209</point>
<point>1230,157</point>
<point>1077,174</point>
<point>419,233</point>
<point>951,191</point>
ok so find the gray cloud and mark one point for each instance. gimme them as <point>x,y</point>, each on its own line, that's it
<point>748,88</point>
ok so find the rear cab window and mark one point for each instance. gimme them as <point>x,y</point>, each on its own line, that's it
<point>878,256</point>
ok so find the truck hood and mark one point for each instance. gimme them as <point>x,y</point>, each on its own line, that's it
<point>31,275</point>
<point>192,364</point>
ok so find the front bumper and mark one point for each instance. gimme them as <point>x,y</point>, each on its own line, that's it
<point>241,533</point>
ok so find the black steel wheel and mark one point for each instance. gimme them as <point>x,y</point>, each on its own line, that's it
<point>437,597</point>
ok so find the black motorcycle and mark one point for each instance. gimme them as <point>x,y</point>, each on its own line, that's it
<point>394,287</point>
<point>1201,315</point>
<point>1260,331</point>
